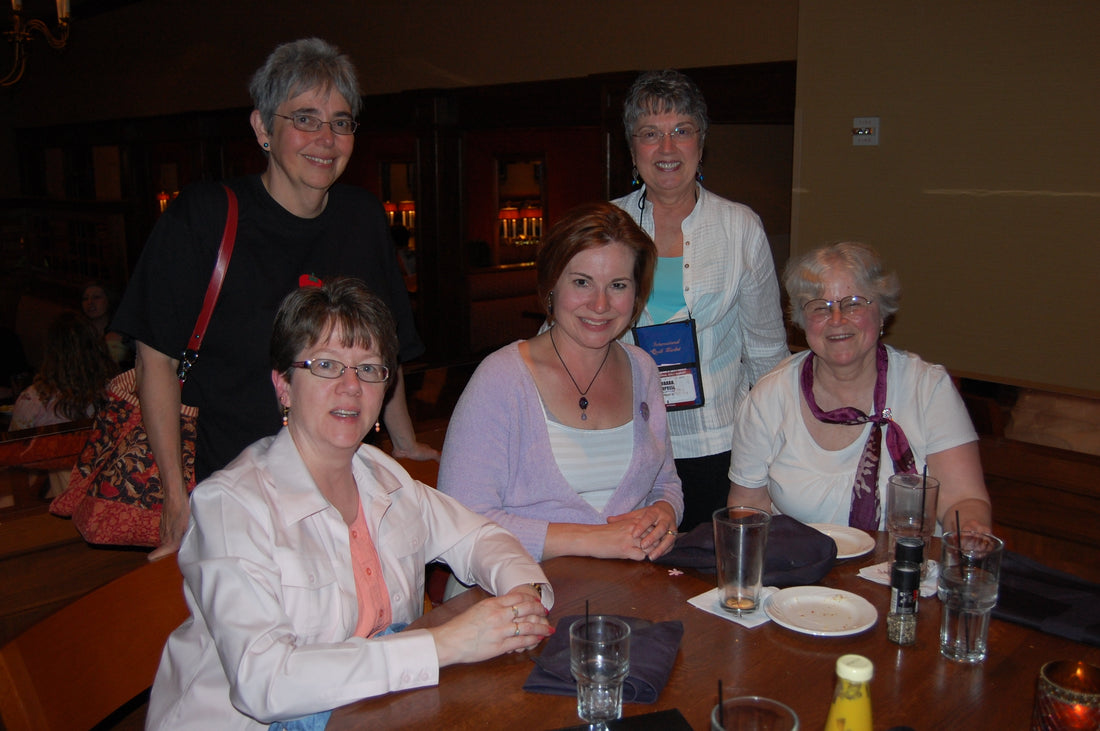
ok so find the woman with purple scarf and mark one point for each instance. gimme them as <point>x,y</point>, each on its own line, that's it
<point>819,436</point>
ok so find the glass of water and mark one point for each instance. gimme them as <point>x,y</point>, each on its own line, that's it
<point>970,572</point>
<point>599,659</point>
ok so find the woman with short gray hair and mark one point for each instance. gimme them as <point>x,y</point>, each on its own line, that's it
<point>819,437</point>
<point>296,224</point>
<point>715,284</point>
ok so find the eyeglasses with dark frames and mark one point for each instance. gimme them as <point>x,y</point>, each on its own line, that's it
<point>328,368</point>
<point>310,123</point>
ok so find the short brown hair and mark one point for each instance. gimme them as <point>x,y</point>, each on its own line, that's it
<point>309,315</point>
<point>585,227</point>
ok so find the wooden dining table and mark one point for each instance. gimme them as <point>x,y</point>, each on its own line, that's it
<point>912,686</point>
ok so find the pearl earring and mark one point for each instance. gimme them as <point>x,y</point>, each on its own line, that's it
<point>286,413</point>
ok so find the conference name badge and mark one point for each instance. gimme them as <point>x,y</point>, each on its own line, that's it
<point>675,348</point>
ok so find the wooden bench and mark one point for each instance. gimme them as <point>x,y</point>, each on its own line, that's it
<point>77,666</point>
<point>1046,500</point>
<point>44,561</point>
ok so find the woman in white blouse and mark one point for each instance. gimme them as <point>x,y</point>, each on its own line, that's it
<point>305,556</point>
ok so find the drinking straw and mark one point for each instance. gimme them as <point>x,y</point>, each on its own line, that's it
<point>923,490</point>
<point>959,545</point>
<point>721,708</point>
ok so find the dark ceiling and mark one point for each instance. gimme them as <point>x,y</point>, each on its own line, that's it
<point>79,9</point>
<point>89,8</point>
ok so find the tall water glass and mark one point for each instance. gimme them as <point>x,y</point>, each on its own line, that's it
<point>599,659</point>
<point>970,571</point>
<point>911,511</point>
<point>740,539</point>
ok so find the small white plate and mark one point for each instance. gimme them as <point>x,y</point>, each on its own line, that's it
<point>850,542</point>
<point>821,611</point>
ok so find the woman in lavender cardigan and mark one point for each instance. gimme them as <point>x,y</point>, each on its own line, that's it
<point>562,439</point>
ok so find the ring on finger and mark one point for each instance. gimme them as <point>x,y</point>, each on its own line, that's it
<point>515,611</point>
<point>670,533</point>
<point>516,633</point>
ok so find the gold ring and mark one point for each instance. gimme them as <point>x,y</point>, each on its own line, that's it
<point>670,532</point>
<point>515,611</point>
<point>516,633</point>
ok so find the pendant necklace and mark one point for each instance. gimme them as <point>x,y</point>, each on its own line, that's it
<point>583,400</point>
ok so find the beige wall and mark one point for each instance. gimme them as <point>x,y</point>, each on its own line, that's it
<point>984,193</point>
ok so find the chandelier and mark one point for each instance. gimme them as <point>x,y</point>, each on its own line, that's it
<point>21,33</point>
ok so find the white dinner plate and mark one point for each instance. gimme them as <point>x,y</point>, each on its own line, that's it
<point>821,611</point>
<point>850,542</point>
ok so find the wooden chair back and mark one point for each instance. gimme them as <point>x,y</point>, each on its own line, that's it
<point>80,664</point>
<point>52,447</point>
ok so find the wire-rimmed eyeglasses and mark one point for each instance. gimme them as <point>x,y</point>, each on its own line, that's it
<point>310,123</point>
<point>679,134</point>
<point>329,368</point>
<point>820,310</point>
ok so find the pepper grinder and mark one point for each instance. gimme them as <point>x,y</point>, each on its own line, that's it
<point>901,622</point>
<point>910,549</point>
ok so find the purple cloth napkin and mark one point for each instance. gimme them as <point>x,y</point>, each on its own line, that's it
<point>1048,600</point>
<point>653,649</point>
<point>796,554</point>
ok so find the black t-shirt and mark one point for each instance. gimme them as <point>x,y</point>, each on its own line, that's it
<point>231,380</point>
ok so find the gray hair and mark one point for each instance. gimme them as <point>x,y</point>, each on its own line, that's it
<point>299,66</point>
<point>661,92</point>
<point>804,277</point>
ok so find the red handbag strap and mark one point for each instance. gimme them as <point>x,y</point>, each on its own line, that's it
<point>213,289</point>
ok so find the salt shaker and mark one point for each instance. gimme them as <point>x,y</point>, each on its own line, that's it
<point>901,622</point>
<point>851,707</point>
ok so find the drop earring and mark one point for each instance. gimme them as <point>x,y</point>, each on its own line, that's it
<point>636,179</point>
<point>377,427</point>
<point>550,304</point>
<point>286,413</point>
<point>699,173</point>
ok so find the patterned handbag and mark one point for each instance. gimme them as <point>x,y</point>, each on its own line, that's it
<point>115,495</point>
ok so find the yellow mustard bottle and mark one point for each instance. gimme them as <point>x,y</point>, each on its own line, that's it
<point>851,708</point>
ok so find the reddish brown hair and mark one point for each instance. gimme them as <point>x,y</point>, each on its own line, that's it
<point>585,227</point>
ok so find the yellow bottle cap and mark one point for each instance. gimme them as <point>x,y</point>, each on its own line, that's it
<point>854,668</point>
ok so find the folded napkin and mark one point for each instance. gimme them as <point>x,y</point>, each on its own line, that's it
<point>1048,600</point>
<point>653,648</point>
<point>796,554</point>
<point>711,602</point>
<point>880,574</point>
